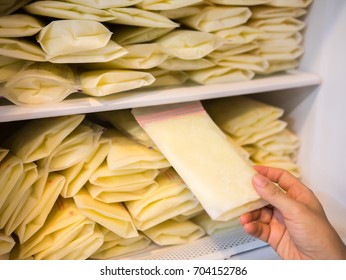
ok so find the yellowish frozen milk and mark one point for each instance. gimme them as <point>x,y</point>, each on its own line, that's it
<point>210,165</point>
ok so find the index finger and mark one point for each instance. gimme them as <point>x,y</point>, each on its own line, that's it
<point>283,178</point>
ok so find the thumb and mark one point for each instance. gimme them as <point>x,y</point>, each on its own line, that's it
<point>272,193</point>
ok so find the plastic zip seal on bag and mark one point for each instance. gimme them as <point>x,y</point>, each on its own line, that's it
<point>213,169</point>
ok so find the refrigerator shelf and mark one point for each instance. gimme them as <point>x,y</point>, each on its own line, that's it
<point>218,247</point>
<point>79,104</point>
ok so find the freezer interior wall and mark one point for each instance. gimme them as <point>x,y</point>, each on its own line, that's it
<point>318,114</point>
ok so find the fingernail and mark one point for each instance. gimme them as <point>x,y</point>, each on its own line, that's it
<point>259,180</point>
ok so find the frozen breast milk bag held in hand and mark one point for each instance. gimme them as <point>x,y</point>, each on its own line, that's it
<point>212,168</point>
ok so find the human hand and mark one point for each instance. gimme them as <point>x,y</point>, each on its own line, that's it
<point>294,224</point>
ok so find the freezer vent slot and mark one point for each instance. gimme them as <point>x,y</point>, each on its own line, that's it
<point>216,247</point>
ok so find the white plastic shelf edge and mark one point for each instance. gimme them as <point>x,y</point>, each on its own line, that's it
<point>149,97</point>
<point>217,247</point>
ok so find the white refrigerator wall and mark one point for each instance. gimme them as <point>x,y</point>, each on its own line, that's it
<point>323,127</point>
<point>318,114</point>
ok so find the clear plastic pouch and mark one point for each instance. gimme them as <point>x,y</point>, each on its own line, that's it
<point>137,56</point>
<point>240,2</point>
<point>62,37</point>
<point>215,172</point>
<point>214,18</point>
<point>138,17</point>
<point>172,232</point>
<point>38,138</point>
<point>171,198</point>
<point>292,3</point>
<point>190,44</point>
<point>105,4</point>
<point>67,234</point>
<point>113,216</point>
<point>219,75</point>
<point>63,10</point>
<point>158,5</point>
<point>19,25</point>
<point>114,245</point>
<point>22,48</point>
<point>126,153</point>
<point>41,83</point>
